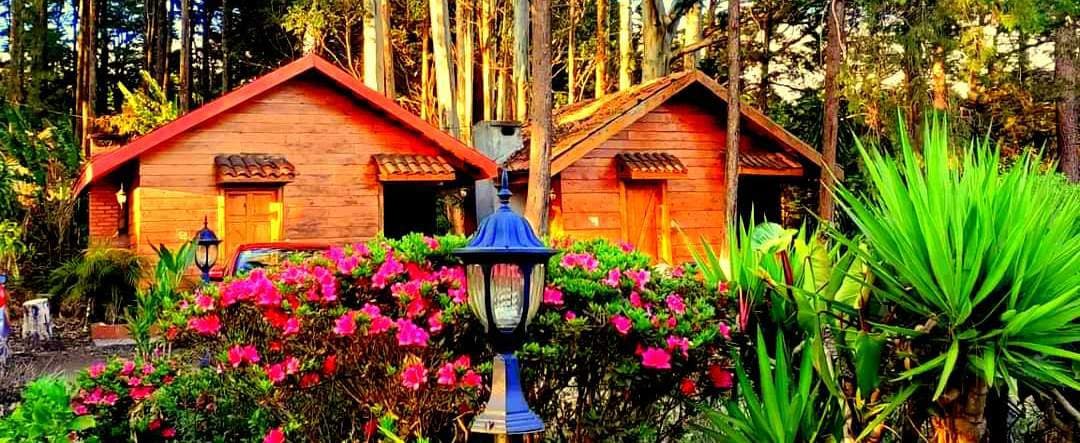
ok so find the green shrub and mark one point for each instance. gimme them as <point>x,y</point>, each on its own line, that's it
<point>45,415</point>
<point>104,277</point>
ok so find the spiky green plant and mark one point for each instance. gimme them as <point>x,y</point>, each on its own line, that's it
<point>780,406</point>
<point>978,261</point>
<point>103,276</point>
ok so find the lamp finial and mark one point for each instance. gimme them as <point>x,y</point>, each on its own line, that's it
<point>504,188</point>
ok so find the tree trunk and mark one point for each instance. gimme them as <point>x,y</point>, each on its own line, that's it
<point>692,35</point>
<point>487,58</point>
<point>767,29</point>
<point>86,74</point>
<point>571,66</point>
<point>731,170</point>
<point>963,420</point>
<point>386,49</point>
<point>373,75</point>
<point>540,129</point>
<point>937,74</point>
<point>444,67</point>
<point>39,33</point>
<point>830,127</point>
<point>204,66</point>
<point>1065,58</point>
<point>654,54</point>
<point>185,56</point>
<point>465,65</point>
<point>15,51</point>
<point>226,20</point>
<point>521,56</point>
<point>502,92</point>
<point>425,75</point>
<point>600,83</point>
<point>158,36</point>
<point>626,50</point>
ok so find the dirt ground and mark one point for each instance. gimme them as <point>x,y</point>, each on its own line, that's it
<point>69,351</point>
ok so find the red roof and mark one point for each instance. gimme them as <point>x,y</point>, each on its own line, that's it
<point>471,161</point>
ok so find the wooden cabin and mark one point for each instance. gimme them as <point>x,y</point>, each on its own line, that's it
<point>633,165</point>
<point>304,153</point>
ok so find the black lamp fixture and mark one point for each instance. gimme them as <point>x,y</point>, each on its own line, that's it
<point>206,250</point>
<point>504,265</point>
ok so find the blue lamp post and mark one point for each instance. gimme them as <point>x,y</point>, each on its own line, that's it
<point>206,250</point>
<point>504,264</point>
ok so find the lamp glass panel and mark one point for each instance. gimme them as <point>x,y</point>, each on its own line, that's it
<point>507,295</point>
<point>211,255</point>
<point>536,290</point>
<point>474,275</point>
<point>201,254</point>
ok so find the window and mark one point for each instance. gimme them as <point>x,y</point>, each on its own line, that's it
<point>411,207</point>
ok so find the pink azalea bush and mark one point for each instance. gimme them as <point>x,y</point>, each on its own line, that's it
<point>108,390</point>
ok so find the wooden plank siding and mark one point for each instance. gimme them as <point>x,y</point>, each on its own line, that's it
<point>329,137</point>
<point>590,190</point>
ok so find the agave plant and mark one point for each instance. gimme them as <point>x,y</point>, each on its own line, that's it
<point>979,264</point>
<point>782,407</point>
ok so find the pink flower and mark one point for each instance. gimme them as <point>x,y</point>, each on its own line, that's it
<point>269,297</point>
<point>209,325</point>
<point>553,296</point>
<point>139,393</point>
<point>292,326</point>
<point>635,300</point>
<point>147,368</point>
<point>672,322</point>
<point>622,324</point>
<point>292,365</point>
<point>293,275</point>
<point>626,246</point>
<point>345,325</point>
<point>204,302</point>
<point>725,331</point>
<point>678,272</point>
<point>459,295</point>
<point>370,310</point>
<point>134,381</point>
<point>463,362</point>
<point>79,408</point>
<point>275,435</point>
<point>640,277</point>
<point>656,358</point>
<point>471,379</point>
<point>276,372</point>
<point>583,260</point>
<point>96,369</point>
<point>239,355</point>
<point>435,322</point>
<point>432,243</point>
<point>128,368</point>
<point>613,277</point>
<point>413,376</point>
<point>570,315</point>
<point>680,343</point>
<point>387,271</point>
<point>411,335</point>
<point>676,304</point>
<point>446,375</point>
<point>379,325</point>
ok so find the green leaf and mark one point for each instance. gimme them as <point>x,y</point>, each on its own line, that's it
<point>867,361</point>
<point>950,363</point>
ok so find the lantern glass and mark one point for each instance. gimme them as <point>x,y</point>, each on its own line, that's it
<point>536,290</point>
<point>206,255</point>
<point>507,295</point>
<point>476,283</point>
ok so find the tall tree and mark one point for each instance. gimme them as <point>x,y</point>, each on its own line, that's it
<point>205,65</point>
<point>16,27</point>
<point>465,63</point>
<point>600,84</point>
<point>156,39</point>
<point>830,126</point>
<point>731,163</point>
<point>487,57</point>
<point>386,48</point>
<point>226,22</point>
<point>626,49</point>
<point>540,126</point>
<point>1065,59</point>
<point>691,36</point>
<point>372,51</point>
<point>521,56</point>
<point>185,55</point>
<point>571,56</point>
<point>658,27</point>
<point>37,51</point>
<point>86,84</point>
<point>444,67</point>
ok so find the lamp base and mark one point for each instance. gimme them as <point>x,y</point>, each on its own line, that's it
<point>506,411</point>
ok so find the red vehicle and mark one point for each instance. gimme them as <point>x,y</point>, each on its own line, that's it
<point>259,255</point>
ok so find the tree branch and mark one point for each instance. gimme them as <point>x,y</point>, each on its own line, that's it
<point>1065,404</point>
<point>709,39</point>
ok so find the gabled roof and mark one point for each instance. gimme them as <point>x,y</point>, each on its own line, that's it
<point>581,127</point>
<point>470,160</point>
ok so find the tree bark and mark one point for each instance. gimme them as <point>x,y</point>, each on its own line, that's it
<point>653,54</point>
<point>372,54</point>
<point>86,75</point>
<point>540,129</point>
<point>691,36</point>
<point>600,84</point>
<point>465,65</point>
<point>963,420</point>
<point>425,75</point>
<point>205,87</point>
<point>386,49</point>
<point>937,75</point>
<point>571,66</point>
<point>15,51</point>
<point>487,58</point>
<point>185,56</point>
<point>226,21</point>
<point>444,67</point>
<point>767,29</point>
<point>830,127</point>
<point>625,45</point>
<point>731,170</point>
<point>521,56</point>
<point>39,33</point>
<point>1065,59</point>
<point>158,34</point>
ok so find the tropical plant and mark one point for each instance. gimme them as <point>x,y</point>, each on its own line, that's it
<point>781,407</point>
<point>144,110</point>
<point>978,263</point>
<point>163,292</point>
<point>44,415</point>
<point>12,247</point>
<point>104,277</point>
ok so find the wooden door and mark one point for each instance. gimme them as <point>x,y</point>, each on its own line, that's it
<point>643,206</point>
<point>251,216</point>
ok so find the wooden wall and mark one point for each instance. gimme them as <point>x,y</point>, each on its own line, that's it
<point>328,136</point>
<point>684,126</point>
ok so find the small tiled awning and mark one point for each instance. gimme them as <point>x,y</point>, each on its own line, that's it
<point>768,163</point>
<point>413,167</point>
<point>649,165</point>
<point>253,168</point>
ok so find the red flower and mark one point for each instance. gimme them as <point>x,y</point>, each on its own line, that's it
<point>435,322</point>
<point>308,380</point>
<point>276,373</point>
<point>463,362</point>
<point>329,365</point>
<point>414,376</point>
<point>687,387</point>
<point>471,379</point>
<point>168,432</point>
<point>209,325</point>
<point>140,392</point>
<point>154,425</point>
<point>720,377</point>
<point>275,435</point>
